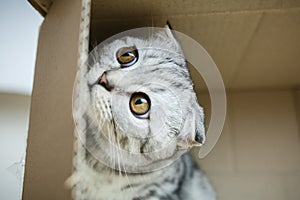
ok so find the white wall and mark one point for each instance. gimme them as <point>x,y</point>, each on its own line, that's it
<point>14,115</point>
<point>19,26</point>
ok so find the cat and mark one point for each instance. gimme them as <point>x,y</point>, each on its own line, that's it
<point>138,115</point>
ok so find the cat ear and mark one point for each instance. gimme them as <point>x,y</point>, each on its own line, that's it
<point>199,127</point>
<point>170,30</point>
<point>193,132</point>
<point>171,33</point>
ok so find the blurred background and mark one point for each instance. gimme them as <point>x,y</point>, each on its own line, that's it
<point>19,24</point>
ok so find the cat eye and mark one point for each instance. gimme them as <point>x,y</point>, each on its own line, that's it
<point>140,104</point>
<point>127,56</point>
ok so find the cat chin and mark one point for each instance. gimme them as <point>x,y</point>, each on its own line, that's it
<point>121,160</point>
<point>153,166</point>
<point>141,165</point>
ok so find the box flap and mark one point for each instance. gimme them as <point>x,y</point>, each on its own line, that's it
<point>42,6</point>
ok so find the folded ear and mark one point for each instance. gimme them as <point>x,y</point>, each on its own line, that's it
<point>171,34</point>
<point>193,132</point>
<point>169,30</point>
<point>200,127</point>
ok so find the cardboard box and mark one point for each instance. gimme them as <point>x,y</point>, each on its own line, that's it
<point>255,44</point>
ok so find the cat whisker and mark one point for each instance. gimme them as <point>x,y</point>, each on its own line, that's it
<point>124,168</point>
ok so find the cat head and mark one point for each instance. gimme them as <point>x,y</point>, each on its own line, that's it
<point>138,107</point>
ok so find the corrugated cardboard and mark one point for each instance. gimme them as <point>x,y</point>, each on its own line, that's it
<point>50,137</point>
<point>255,45</point>
<point>42,6</point>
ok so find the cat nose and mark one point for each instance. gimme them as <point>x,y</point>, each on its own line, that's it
<point>104,82</point>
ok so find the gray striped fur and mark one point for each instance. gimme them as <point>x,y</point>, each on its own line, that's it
<point>130,158</point>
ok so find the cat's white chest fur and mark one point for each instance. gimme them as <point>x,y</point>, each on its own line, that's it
<point>109,185</point>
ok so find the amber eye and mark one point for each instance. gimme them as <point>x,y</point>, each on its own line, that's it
<point>140,104</point>
<point>127,56</point>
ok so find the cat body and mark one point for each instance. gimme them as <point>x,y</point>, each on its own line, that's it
<point>137,115</point>
<point>179,181</point>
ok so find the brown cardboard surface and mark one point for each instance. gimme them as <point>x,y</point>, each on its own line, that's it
<point>249,187</point>
<point>290,3</point>
<point>297,104</point>
<point>50,138</point>
<point>225,36</point>
<point>272,58</point>
<point>132,8</point>
<point>257,156</point>
<point>253,49</point>
<point>266,132</point>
